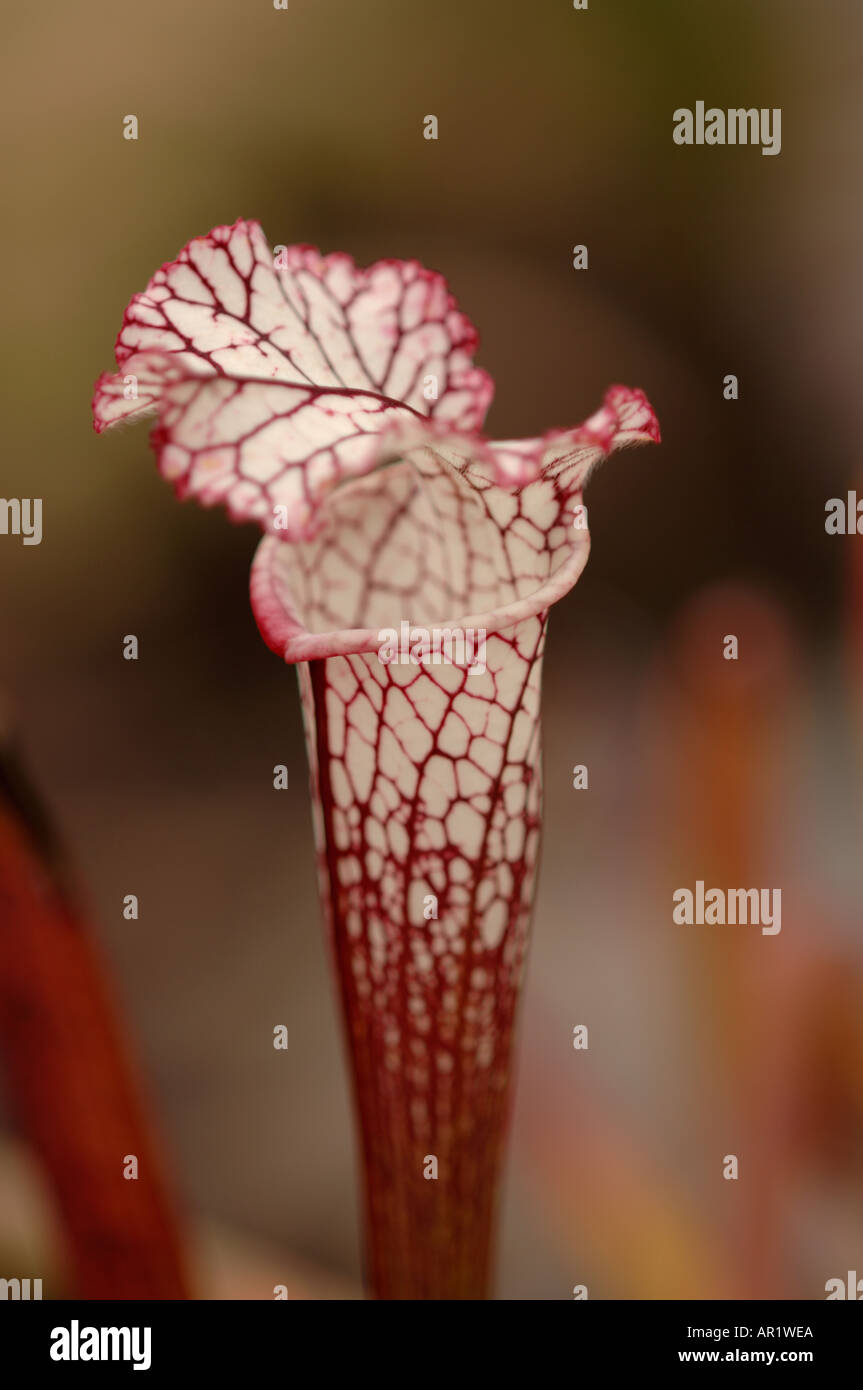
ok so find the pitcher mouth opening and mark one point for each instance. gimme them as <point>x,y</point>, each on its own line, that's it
<point>417,544</point>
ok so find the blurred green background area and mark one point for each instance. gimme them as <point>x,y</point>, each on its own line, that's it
<point>555,129</point>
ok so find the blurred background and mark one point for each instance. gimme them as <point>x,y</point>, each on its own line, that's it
<point>555,129</point>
